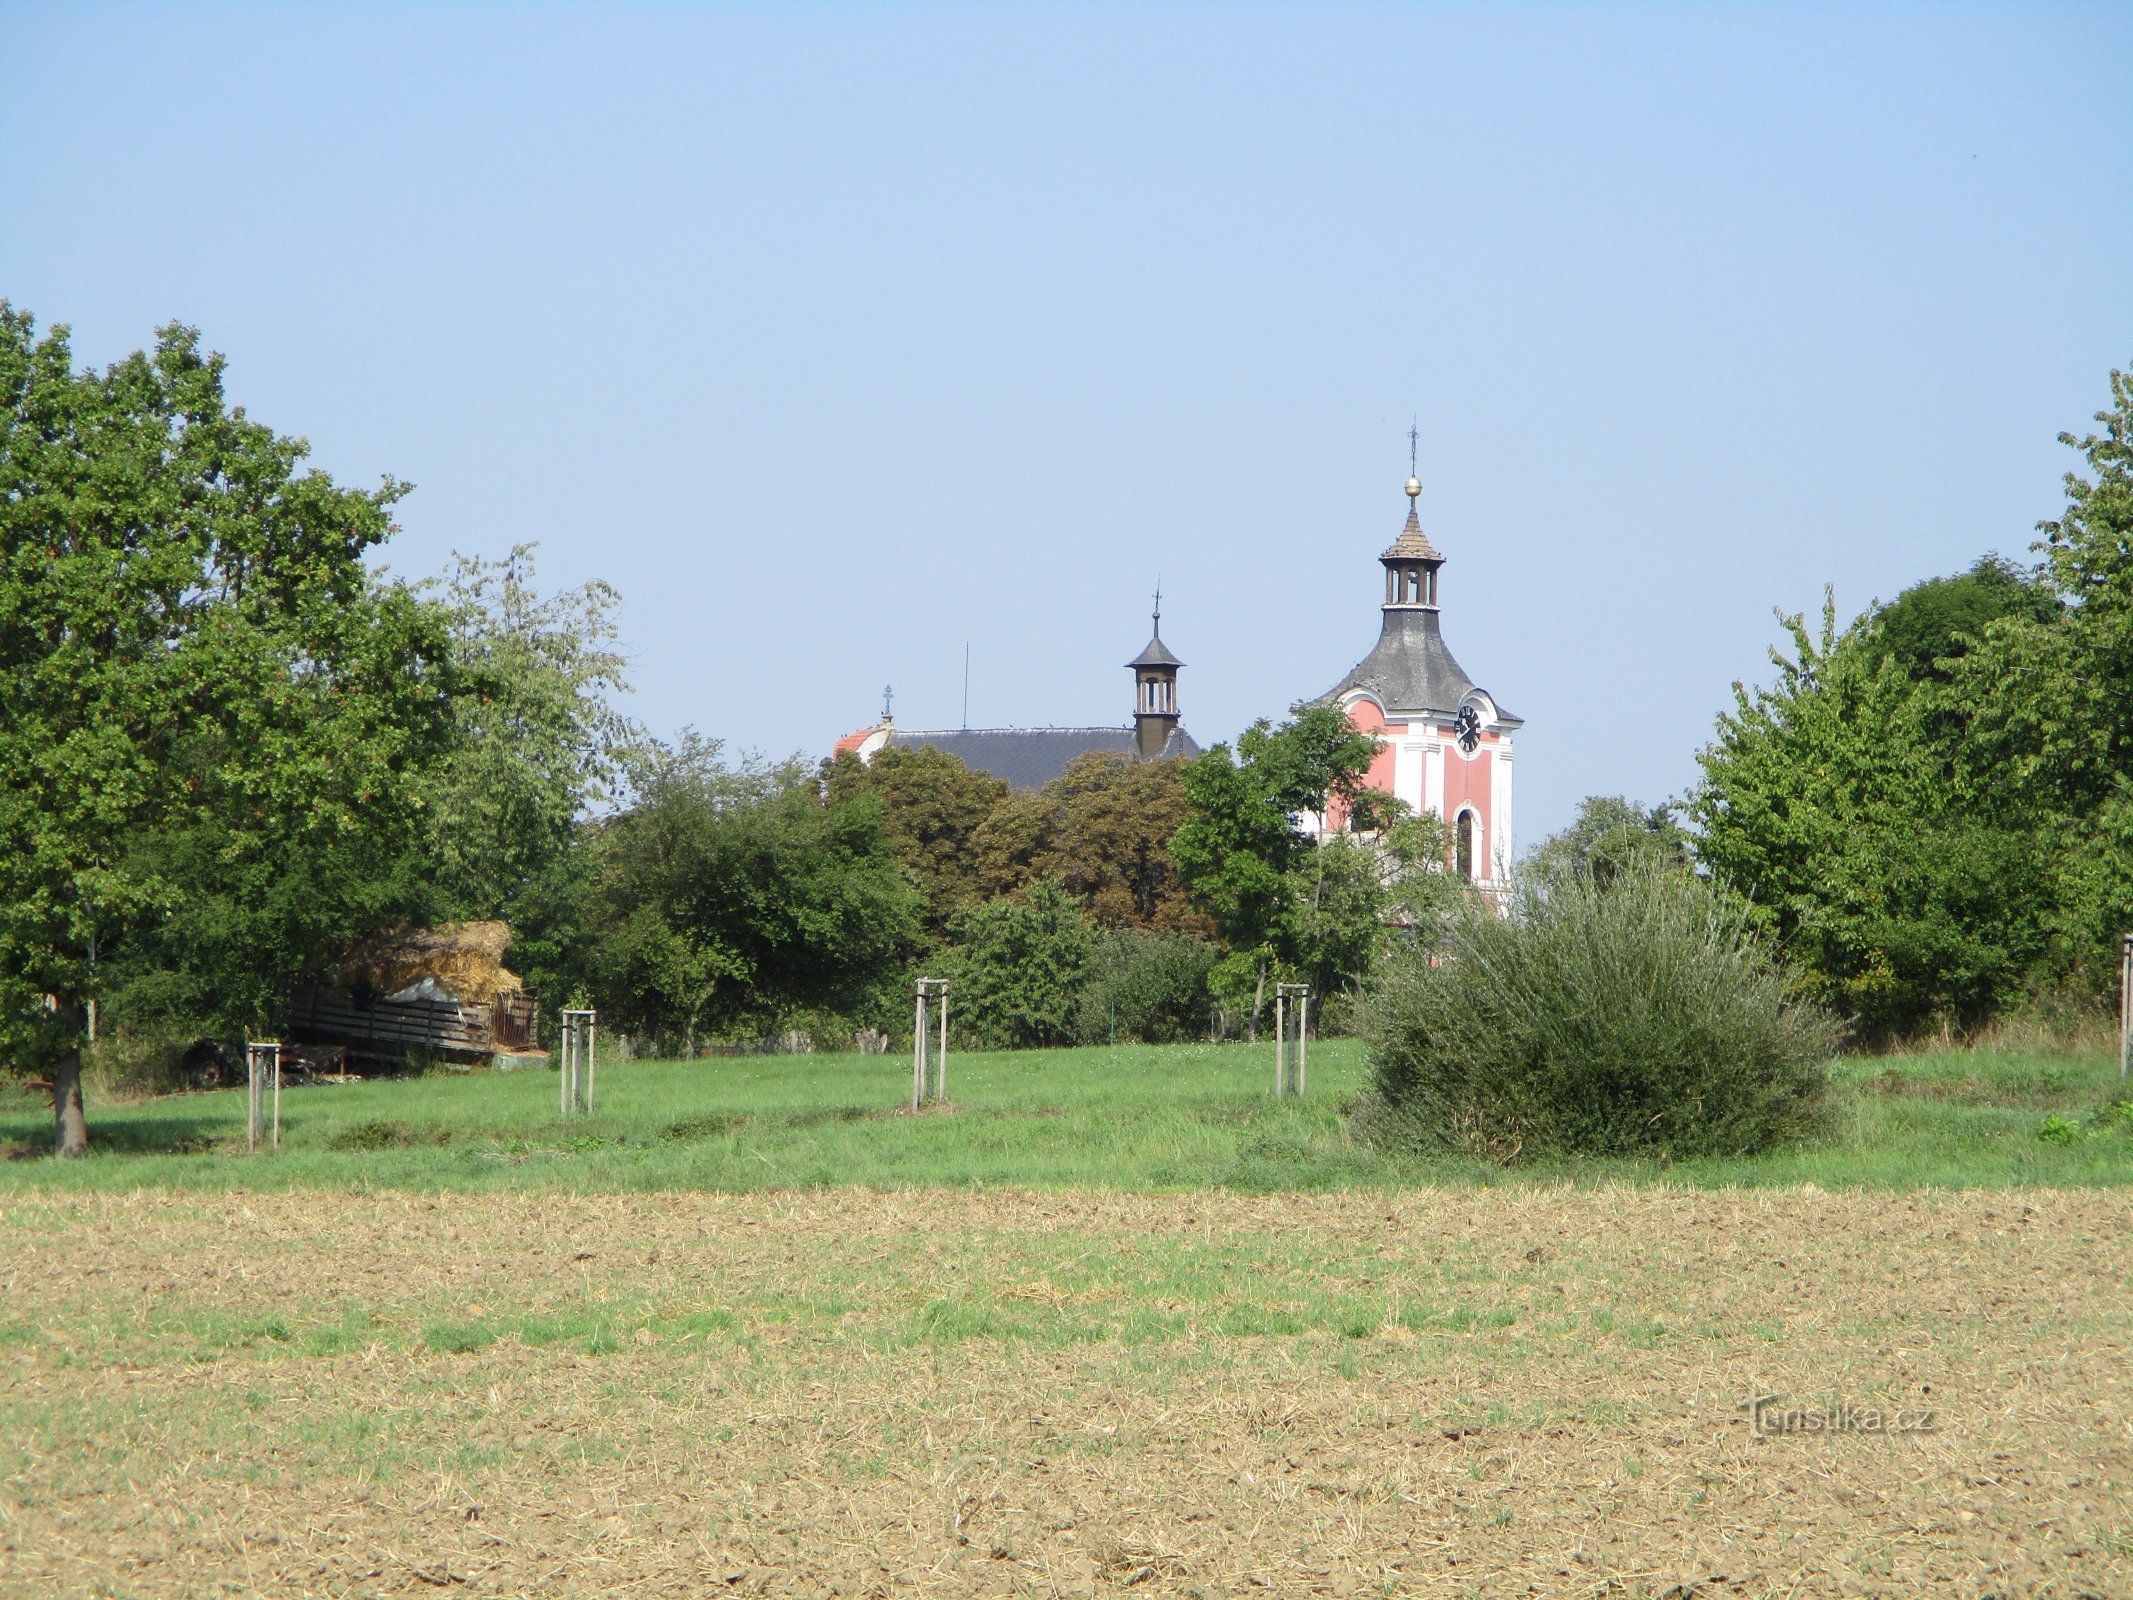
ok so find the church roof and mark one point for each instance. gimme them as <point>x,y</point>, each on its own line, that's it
<point>1410,669</point>
<point>1030,758</point>
<point>1413,544</point>
<point>1157,654</point>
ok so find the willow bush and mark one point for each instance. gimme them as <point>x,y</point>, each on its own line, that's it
<point>1632,1016</point>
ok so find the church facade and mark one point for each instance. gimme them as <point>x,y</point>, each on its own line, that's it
<point>1030,758</point>
<point>1444,744</point>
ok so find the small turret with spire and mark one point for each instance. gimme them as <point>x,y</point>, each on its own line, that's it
<point>1155,692</point>
<point>1411,561</point>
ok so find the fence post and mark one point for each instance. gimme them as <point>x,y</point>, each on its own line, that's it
<point>1281,1045</point>
<point>2125,1007</point>
<point>262,1085</point>
<point>918,1049</point>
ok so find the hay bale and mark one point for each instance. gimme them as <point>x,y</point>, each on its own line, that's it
<point>466,957</point>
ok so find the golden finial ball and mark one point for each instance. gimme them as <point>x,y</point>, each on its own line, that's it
<point>1414,487</point>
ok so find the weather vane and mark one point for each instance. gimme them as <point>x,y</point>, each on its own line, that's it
<point>888,698</point>
<point>1414,448</point>
<point>1158,599</point>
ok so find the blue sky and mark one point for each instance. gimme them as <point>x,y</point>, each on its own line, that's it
<point>838,337</point>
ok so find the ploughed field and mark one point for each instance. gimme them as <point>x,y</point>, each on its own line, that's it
<point>855,1392</point>
<point>444,1343</point>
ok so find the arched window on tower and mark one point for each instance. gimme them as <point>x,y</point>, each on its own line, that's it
<point>1463,849</point>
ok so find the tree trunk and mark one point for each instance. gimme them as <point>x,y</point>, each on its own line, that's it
<point>70,1128</point>
<point>1258,999</point>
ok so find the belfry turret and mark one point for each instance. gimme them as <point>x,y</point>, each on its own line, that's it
<point>1411,561</point>
<point>1155,693</point>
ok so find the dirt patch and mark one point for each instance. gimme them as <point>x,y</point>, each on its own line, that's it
<point>690,1129</point>
<point>857,1393</point>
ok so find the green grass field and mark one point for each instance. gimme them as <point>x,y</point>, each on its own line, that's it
<point>1131,1118</point>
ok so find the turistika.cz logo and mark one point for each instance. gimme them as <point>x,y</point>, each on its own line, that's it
<point>1768,1420</point>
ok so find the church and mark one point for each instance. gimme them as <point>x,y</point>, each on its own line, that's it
<point>1444,744</point>
<point>1030,758</point>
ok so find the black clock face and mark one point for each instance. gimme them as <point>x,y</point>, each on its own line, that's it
<point>1467,725</point>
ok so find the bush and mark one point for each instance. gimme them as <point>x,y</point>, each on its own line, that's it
<point>1015,969</point>
<point>1148,988</point>
<point>1630,1016</point>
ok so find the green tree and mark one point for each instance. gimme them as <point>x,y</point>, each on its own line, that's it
<point>1931,625</point>
<point>932,808</point>
<point>538,741</point>
<point>1016,968</point>
<point>1833,803</point>
<point>219,725</point>
<point>2049,729</point>
<point>1240,843</point>
<point>1016,844</point>
<point>1609,836</point>
<point>725,895</point>
<point>1147,987</point>
<point>1117,818</point>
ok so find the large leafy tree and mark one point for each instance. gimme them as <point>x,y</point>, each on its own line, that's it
<point>538,739</point>
<point>932,809</point>
<point>1834,802</point>
<point>218,724</point>
<point>1242,852</point>
<point>1117,818</point>
<point>723,895</point>
<point>1934,806</point>
<point>1609,837</point>
<point>2048,716</point>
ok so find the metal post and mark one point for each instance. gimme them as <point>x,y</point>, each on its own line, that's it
<point>580,1036</point>
<point>1292,1009</point>
<point>1304,1035</point>
<point>918,1049</point>
<point>2125,1007</point>
<point>262,1093</point>
<point>1281,1045</point>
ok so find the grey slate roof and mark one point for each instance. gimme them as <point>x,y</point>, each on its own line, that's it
<point>1410,669</point>
<point>1157,654</point>
<point>1030,758</point>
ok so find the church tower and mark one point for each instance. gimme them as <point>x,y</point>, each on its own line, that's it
<point>1444,745</point>
<point>1155,693</point>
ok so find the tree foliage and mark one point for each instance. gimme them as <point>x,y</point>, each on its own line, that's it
<point>1934,805</point>
<point>1610,836</point>
<point>538,742</point>
<point>1282,900</point>
<point>219,725</point>
<point>724,894</point>
<point>1016,968</point>
<point>931,808</point>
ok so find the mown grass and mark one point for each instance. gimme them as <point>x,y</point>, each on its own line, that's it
<point>1135,1118</point>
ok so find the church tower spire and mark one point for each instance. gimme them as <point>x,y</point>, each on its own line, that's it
<point>1155,692</point>
<point>1411,561</point>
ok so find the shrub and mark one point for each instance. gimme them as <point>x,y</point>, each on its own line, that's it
<point>1015,969</point>
<point>1149,988</point>
<point>1635,1015</point>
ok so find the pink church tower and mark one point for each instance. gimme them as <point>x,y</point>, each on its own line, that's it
<point>1444,745</point>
